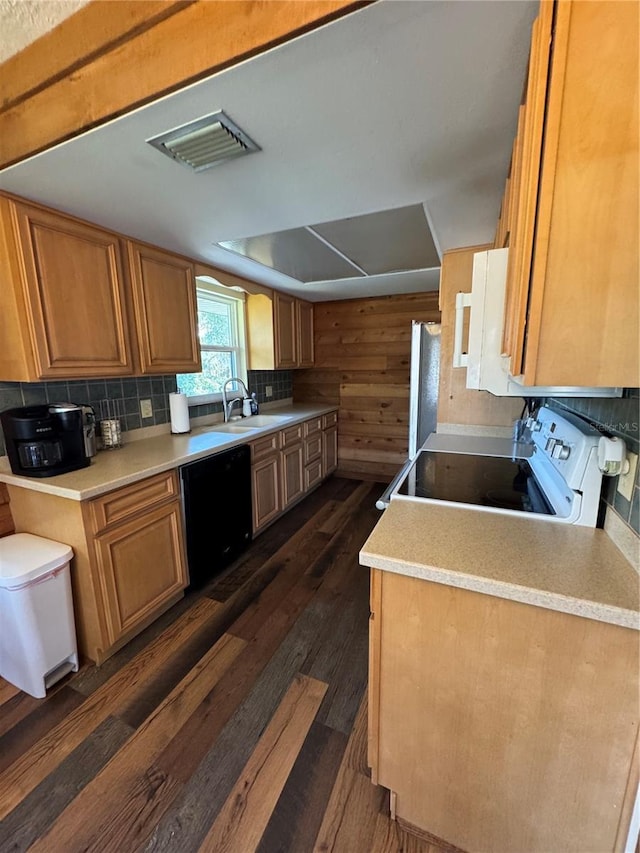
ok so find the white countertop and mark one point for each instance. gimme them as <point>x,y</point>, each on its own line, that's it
<point>111,469</point>
<point>564,567</point>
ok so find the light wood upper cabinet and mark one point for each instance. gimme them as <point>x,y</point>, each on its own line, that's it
<point>286,343</point>
<point>305,333</point>
<point>164,298</point>
<point>79,301</point>
<point>280,330</point>
<point>64,306</point>
<point>572,282</point>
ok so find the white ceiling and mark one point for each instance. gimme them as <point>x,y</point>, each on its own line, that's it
<point>402,102</point>
<point>23,21</point>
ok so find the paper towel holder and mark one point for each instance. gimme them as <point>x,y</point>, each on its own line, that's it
<point>179,413</point>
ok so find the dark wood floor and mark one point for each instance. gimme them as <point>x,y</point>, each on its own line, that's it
<point>237,722</point>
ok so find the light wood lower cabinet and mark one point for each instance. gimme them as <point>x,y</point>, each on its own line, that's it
<point>265,476</point>
<point>140,567</point>
<point>129,564</point>
<point>312,474</point>
<point>329,450</point>
<point>498,725</point>
<point>288,464</point>
<point>292,475</point>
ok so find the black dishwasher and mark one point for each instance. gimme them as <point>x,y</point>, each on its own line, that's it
<point>216,495</point>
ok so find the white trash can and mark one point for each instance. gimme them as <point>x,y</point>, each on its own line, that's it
<point>37,632</point>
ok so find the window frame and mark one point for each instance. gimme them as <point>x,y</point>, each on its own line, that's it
<point>235,297</point>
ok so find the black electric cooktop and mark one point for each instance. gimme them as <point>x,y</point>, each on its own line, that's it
<point>489,481</point>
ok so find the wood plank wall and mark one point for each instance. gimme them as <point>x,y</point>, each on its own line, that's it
<point>6,521</point>
<point>362,364</point>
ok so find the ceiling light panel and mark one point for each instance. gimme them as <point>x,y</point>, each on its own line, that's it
<point>296,253</point>
<point>388,241</point>
<point>205,142</point>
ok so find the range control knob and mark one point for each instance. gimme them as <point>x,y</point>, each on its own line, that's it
<point>561,451</point>
<point>550,446</point>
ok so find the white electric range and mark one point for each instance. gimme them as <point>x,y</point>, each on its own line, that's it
<point>552,472</point>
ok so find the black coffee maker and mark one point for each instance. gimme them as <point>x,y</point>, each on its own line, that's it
<point>43,441</point>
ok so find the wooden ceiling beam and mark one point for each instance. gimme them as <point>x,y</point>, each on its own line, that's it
<point>85,35</point>
<point>120,69</point>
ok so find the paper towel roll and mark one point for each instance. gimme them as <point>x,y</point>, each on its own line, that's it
<point>179,410</point>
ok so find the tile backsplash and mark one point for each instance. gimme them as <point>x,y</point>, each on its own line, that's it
<point>129,392</point>
<point>621,417</point>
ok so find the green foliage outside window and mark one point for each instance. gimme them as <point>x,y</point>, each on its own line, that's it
<point>219,342</point>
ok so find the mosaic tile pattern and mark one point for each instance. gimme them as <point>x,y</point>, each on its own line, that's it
<point>129,393</point>
<point>621,417</point>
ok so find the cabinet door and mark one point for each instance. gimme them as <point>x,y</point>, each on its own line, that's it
<point>292,474</point>
<point>373,702</point>
<point>313,448</point>
<point>329,450</point>
<point>312,474</point>
<point>584,307</point>
<point>140,567</point>
<point>304,316</point>
<point>266,491</point>
<point>75,294</point>
<point>526,163</point>
<point>284,308</point>
<point>164,293</point>
<point>455,685</point>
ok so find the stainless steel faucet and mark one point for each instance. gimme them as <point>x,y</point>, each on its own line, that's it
<point>227,405</point>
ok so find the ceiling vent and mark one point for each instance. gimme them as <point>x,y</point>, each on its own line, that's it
<point>205,142</point>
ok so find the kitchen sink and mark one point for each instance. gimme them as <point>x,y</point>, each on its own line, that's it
<point>239,428</point>
<point>266,420</point>
<point>245,425</point>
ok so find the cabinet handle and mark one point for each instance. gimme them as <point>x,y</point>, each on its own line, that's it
<point>460,359</point>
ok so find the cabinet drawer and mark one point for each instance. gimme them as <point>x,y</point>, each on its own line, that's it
<point>313,448</point>
<point>290,435</point>
<point>264,447</point>
<point>122,503</point>
<point>329,420</point>
<point>312,426</point>
<point>312,474</point>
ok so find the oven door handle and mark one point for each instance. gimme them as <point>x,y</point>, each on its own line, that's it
<point>460,359</point>
<point>385,497</point>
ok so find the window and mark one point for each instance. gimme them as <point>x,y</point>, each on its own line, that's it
<point>221,329</point>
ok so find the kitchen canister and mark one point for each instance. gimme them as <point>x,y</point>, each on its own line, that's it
<point>179,411</point>
<point>110,433</point>
<point>110,424</point>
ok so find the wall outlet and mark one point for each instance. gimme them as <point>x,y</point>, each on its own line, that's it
<point>146,409</point>
<point>268,391</point>
<point>626,481</point>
